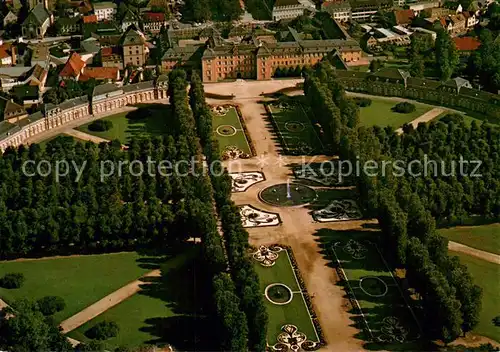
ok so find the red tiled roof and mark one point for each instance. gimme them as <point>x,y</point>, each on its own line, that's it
<point>466,43</point>
<point>154,16</point>
<point>90,19</point>
<point>404,16</point>
<point>110,51</point>
<point>99,73</point>
<point>442,20</point>
<point>73,66</point>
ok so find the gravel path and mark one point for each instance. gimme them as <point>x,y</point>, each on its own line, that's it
<point>489,257</point>
<point>428,116</point>
<point>85,136</point>
<point>106,303</point>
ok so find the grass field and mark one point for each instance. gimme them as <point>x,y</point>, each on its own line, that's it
<point>485,275</point>
<point>380,113</point>
<point>295,131</point>
<point>44,143</point>
<point>295,312</point>
<point>236,136</point>
<point>80,280</point>
<point>374,288</point>
<point>124,128</point>
<point>484,237</point>
<point>165,311</point>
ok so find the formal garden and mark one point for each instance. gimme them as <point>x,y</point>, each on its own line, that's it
<point>381,112</point>
<point>293,128</point>
<point>292,323</point>
<point>228,130</point>
<point>147,120</point>
<point>382,311</point>
<point>79,280</point>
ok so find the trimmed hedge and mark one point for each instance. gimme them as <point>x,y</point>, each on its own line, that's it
<point>12,280</point>
<point>362,102</point>
<point>103,330</point>
<point>101,125</point>
<point>404,107</point>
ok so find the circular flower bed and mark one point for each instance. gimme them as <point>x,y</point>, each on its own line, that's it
<point>294,126</point>
<point>373,286</point>
<point>278,195</point>
<point>279,294</point>
<point>226,130</point>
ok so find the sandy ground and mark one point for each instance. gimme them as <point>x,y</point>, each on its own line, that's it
<point>458,247</point>
<point>428,116</point>
<point>105,303</point>
<point>85,136</point>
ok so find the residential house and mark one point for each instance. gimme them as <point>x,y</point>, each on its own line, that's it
<point>458,24</point>
<point>81,6</point>
<point>105,11</point>
<point>436,12</point>
<point>10,111</point>
<point>180,56</point>
<point>128,20</point>
<point>36,23</point>
<point>107,74</point>
<point>73,67</point>
<point>339,10</point>
<point>9,18</point>
<point>135,50</point>
<point>112,57</point>
<point>28,95</point>
<point>471,19</point>
<point>8,54</point>
<point>466,45</point>
<point>403,17</point>
<point>89,19</point>
<point>153,21</point>
<point>68,25</point>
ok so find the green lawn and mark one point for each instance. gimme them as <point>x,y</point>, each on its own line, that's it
<point>80,280</point>
<point>237,139</point>
<point>44,142</point>
<point>153,122</point>
<point>295,312</point>
<point>380,113</point>
<point>484,237</point>
<point>163,312</point>
<point>485,275</point>
<point>366,272</point>
<point>295,130</point>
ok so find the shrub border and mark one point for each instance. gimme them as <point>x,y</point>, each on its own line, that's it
<point>305,293</point>
<point>245,130</point>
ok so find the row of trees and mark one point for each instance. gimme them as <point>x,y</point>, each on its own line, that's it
<point>217,10</point>
<point>449,299</point>
<point>236,237</point>
<point>233,329</point>
<point>484,63</point>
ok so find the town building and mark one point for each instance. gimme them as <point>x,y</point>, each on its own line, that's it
<point>403,17</point>
<point>73,67</point>
<point>89,19</point>
<point>471,19</point>
<point>289,9</point>
<point>424,31</point>
<point>153,21</point>
<point>107,74</point>
<point>105,11</point>
<point>135,50</point>
<point>9,18</point>
<point>112,57</point>
<point>69,25</point>
<point>28,95</point>
<point>128,20</point>
<point>339,10</point>
<point>364,10</point>
<point>34,76</point>
<point>11,112</point>
<point>36,23</point>
<point>8,54</point>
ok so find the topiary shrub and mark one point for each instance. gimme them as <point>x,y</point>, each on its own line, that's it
<point>100,125</point>
<point>496,320</point>
<point>12,280</point>
<point>404,107</point>
<point>362,102</point>
<point>103,330</point>
<point>50,305</point>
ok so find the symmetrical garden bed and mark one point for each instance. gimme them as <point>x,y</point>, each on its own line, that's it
<point>292,321</point>
<point>338,210</point>
<point>253,217</point>
<point>373,291</point>
<point>241,181</point>
<point>230,132</point>
<point>294,128</point>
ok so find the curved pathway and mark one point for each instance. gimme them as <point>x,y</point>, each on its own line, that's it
<point>106,303</point>
<point>461,248</point>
